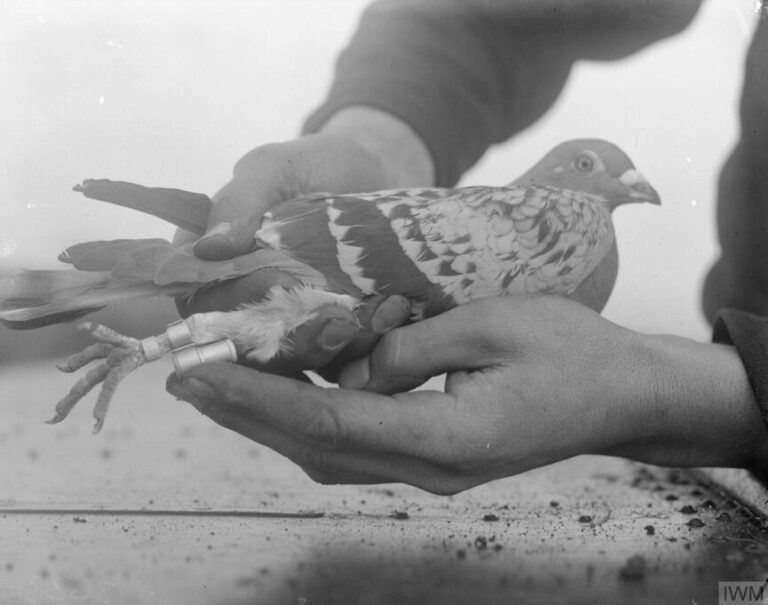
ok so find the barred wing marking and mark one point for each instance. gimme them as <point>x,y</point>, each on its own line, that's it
<point>441,247</point>
<point>350,241</point>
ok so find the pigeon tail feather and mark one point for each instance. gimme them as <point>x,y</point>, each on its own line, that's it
<point>37,298</point>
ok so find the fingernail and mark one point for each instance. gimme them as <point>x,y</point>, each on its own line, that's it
<point>215,233</point>
<point>355,374</point>
<point>336,334</point>
<point>191,390</point>
<point>390,314</point>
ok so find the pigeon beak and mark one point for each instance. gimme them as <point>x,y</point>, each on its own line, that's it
<point>639,189</point>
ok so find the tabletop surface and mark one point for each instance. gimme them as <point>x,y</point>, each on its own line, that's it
<point>165,507</point>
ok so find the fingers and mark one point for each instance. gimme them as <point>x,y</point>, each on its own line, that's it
<point>316,342</point>
<point>232,227</point>
<point>264,177</point>
<point>335,335</point>
<point>331,417</point>
<point>232,223</point>
<point>277,172</point>
<point>463,338</point>
<point>377,316</point>
<point>333,437</point>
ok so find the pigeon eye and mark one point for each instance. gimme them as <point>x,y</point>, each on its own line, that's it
<point>584,163</point>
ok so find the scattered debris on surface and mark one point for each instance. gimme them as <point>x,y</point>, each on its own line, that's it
<point>79,520</point>
<point>650,530</point>
<point>688,510</point>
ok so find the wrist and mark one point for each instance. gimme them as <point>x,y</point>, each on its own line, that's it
<point>402,153</point>
<point>692,406</point>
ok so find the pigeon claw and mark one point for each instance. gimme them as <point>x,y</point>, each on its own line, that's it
<point>121,355</point>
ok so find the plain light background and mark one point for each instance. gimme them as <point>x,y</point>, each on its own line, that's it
<point>173,93</point>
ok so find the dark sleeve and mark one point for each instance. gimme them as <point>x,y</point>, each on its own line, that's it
<point>749,334</point>
<point>466,74</point>
<point>739,278</point>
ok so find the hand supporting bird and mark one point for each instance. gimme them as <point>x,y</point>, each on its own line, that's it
<point>529,382</point>
<point>437,248</point>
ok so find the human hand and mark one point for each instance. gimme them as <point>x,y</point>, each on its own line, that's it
<point>359,149</point>
<point>531,380</point>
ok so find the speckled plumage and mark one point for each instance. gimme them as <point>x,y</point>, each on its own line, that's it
<point>442,247</point>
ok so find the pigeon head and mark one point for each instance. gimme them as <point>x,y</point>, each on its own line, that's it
<point>595,167</point>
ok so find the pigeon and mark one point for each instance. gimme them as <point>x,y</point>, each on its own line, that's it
<point>439,247</point>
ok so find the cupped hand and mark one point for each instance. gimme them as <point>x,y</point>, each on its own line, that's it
<point>531,380</point>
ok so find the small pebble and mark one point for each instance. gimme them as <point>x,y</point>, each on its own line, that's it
<point>724,517</point>
<point>688,510</point>
<point>491,517</point>
<point>695,522</point>
<point>585,519</point>
<point>650,530</point>
<point>481,543</point>
<point>400,515</point>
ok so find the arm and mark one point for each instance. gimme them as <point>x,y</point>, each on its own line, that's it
<point>748,334</point>
<point>423,89</point>
<point>735,296</point>
<point>557,381</point>
<point>466,74</point>
<point>739,279</point>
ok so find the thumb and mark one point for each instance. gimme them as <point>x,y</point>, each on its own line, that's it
<point>229,234</point>
<point>234,218</point>
<point>406,357</point>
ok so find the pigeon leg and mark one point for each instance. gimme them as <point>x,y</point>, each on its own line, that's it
<point>123,354</point>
